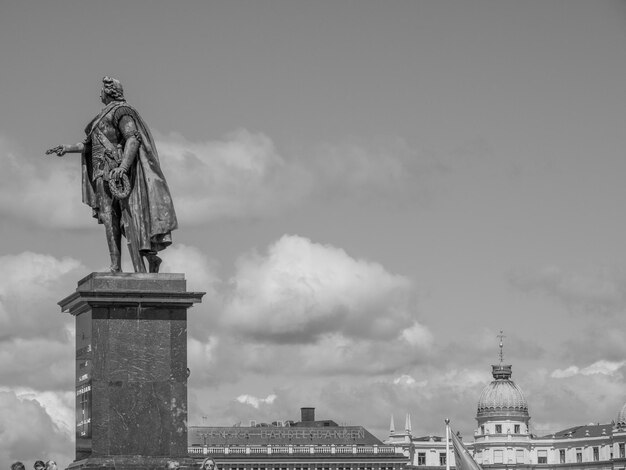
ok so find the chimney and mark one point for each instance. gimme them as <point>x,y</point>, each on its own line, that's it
<point>307,415</point>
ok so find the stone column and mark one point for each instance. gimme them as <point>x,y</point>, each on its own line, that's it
<point>131,370</point>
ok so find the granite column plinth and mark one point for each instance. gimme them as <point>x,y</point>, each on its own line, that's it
<point>131,369</point>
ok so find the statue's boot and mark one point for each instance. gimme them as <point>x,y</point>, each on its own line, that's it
<point>154,262</point>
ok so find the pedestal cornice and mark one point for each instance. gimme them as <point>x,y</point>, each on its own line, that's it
<point>132,289</point>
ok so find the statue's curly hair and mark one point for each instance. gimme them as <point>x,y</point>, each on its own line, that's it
<point>113,88</point>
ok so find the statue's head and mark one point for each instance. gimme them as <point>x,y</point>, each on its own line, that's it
<point>112,90</point>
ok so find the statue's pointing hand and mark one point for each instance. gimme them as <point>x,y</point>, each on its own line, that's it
<point>60,150</point>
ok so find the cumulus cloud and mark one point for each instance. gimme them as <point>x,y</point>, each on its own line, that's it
<point>602,291</point>
<point>300,290</point>
<point>36,358</point>
<point>406,379</point>
<point>303,308</point>
<point>256,402</point>
<point>28,432</point>
<point>570,397</point>
<point>40,363</point>
<point>29,286</point>
<point>599,367</point>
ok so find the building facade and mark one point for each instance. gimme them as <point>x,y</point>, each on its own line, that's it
<point>304,445</point>
<point>503,440</point>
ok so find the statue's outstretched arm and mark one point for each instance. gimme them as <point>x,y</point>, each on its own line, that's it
<point>61,150</point>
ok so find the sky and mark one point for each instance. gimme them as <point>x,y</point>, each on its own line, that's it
<point>368,192</point>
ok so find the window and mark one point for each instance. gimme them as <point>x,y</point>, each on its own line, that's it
<point>421,458</point>
<point>596,454</point>
<point>622,450</point>
<point>542,456</point>
<point>517,429</point>
<point>482,429</point>
<point>579,456</point>
<point>562,456</point>
<point>442,458</point>
<point>497,456</point>
<point>498,429</point>
<point>519,455</point>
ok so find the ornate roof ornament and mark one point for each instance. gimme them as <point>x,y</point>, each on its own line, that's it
<point>502,397</point>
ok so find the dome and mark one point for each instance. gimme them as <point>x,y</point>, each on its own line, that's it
<point>502,397</point>
<point>621,417</point>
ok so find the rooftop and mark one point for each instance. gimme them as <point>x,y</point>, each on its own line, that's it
<point>579,432</point>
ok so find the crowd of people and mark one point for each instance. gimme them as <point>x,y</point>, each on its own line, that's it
<point>39,465</point>
<point>207,464</point>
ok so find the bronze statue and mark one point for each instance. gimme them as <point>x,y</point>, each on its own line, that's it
<point>123,182</point>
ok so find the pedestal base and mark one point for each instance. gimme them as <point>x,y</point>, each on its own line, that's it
<point>131,369</point>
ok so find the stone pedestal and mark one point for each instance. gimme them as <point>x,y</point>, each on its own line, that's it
<point>131,369</point>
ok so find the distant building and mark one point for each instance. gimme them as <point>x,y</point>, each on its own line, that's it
<point>503,440</point>
<point>304,445</point>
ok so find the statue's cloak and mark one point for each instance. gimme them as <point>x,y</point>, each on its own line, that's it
<point>148,212</point>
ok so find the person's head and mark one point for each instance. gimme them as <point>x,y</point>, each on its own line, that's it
<point>17,466</point>
<point>112,90</point>
<point>39,465</point>
<point>172,465</point>
<point>51,465</point>
<point>208,464</point>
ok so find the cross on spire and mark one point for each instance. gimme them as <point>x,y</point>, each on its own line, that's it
<point>501,336</point>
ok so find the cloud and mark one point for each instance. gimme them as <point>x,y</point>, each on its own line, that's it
<point>573,396</point>
<point>300,290</point>
<point>40,363</point>
<point>599,367</point>
<point>29,284</point>
<point>42,189</point>
<point>406,379</point>
<point>242,175</point>
<point>599,292</point>
<point>200,271</point>
<point>36,358</point>
<point>28,432</point>
<point>303,308</point>
<point>256,402</point>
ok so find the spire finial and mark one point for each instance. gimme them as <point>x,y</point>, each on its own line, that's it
<point>501,336</point>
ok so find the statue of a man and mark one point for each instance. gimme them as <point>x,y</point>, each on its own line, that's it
<point>123,182</point>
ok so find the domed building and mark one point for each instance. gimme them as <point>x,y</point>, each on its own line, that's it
<point>503,421</point>
<point>503,439</point>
